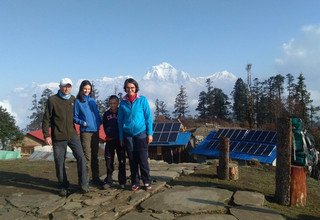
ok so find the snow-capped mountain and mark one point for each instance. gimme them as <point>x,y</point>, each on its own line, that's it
<point>161,82</point>
<point>166,73</point>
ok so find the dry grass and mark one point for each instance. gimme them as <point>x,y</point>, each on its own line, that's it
<point>260,179</point>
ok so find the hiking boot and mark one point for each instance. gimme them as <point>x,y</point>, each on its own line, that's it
<point>135,187</point>
<point>147,186</point>
<point>63,192</point>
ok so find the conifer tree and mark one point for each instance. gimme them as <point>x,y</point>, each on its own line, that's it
<point>202,105</point>
<point>303,100</point>
<point>181,104</point>
<point>240,96</point>
<point>38,108</point>
<point>161,109</point>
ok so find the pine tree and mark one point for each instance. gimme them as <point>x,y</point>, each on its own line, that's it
<point>8,130</point>
<point>291,87</point>
<point>220,104</point>
<point>240,96</point>
<point>303,100</point>
<point>161,109</point>
<point>38,108</point>
<point>202,105</point>
<point>102,105</point>
<point>181,104</point>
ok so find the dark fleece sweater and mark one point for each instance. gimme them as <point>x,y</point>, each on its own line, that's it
<point>59,116</point>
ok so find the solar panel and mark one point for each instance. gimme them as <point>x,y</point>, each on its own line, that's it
<point>176,126</point>
<point>159,127</point>
<point>217,135</point>
<point>245,143</point>
<point>165,132</point>
<point>164,137</point>
<point>167,127</point>
<point>268,150</point>
<point>256,135</point>
<point>234,134</point>
<point>254,148</point>
<point>233,145</point>
<point>173,137</point>
<point>156,137</point>
<point>223,133</point>
<point>271,137</point>
<point>247,147</point>
<point>249,135</point>
<point>241,134</point>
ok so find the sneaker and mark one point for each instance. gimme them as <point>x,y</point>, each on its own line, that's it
<point>106,185</point>
<point>147,186</point>
<point>84,189</point>
<point>122,186</point>
<point>63,192</point>
<point>135,187</point>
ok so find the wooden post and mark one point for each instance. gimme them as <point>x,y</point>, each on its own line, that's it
<point>298,185</point>
<point>223,170</point>
<point>284,143</point>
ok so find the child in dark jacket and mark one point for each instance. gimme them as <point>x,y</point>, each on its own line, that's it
<point>110,125</point>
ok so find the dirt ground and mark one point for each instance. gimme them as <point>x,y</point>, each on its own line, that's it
<point>34,177</point>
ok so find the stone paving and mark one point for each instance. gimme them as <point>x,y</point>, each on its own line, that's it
<point>161,202</point>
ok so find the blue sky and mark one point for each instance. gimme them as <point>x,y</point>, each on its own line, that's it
<point>42,41</point>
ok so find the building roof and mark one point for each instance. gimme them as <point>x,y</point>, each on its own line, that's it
<point>39,135</point>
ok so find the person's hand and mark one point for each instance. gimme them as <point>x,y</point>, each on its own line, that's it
<point>149,139</point>
<point>121,143</point>
<point>48,141</point>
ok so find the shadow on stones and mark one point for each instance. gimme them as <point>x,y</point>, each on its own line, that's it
<point>20,180</point>
<point>208,202</point>
<point>207,184</point>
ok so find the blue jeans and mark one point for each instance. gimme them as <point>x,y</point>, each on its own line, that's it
<point>137,150</point>
<point>59,153</point>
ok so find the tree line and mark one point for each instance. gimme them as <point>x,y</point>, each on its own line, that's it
<point>248,106</point>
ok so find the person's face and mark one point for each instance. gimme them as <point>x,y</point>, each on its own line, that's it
<point>86,90</point>
<point>66,89</point>
<point>113,104</point>
<point>130,89</point>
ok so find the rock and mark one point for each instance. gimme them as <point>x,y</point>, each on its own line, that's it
<point>248,198</point>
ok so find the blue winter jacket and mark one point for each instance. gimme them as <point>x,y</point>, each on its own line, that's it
<point>88,112</point>
<point>134,118</point>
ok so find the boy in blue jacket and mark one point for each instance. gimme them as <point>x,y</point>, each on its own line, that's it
<point>110,125</point>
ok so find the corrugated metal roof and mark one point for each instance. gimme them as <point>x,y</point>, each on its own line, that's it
<point>240,146</point>
<point>39,135</point>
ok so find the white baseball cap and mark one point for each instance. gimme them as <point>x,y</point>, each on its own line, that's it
<point>65,81</point>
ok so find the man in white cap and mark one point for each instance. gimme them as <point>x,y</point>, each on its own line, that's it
<point>59,117</point>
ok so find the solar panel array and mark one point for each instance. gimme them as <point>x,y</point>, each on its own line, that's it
<point>254,142</point>
<point>164,132</point>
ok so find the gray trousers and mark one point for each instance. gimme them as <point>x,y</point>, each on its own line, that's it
<point>59,153</point>
<point>90,144</point>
